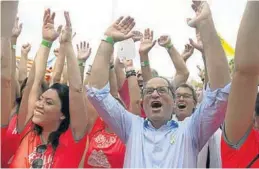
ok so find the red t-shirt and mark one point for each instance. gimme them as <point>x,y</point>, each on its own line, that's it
<point>67,155</point>
<point>124,94</point>
<point>3,132</point>
<point>105,149</point>
<point>11,140</point>
<point>240,158</point>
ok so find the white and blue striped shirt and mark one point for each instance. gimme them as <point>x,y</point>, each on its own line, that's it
<point>175,144</point>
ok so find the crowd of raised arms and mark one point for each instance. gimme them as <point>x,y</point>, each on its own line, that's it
<point>115,116</point>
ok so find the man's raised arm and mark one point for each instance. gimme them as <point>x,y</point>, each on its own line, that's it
<point>98,91</point>
<point>210,114</point>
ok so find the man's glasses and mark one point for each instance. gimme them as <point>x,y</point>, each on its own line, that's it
<point>185,96</point>
<point>38,163</point>
<point>160,90</point>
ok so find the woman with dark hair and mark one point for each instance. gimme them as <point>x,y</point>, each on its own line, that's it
<point>58,125</point>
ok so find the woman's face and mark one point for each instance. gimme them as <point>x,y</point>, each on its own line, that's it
<point>47,111</point>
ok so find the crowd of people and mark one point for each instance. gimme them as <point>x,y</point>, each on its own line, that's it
<point>115,116</point>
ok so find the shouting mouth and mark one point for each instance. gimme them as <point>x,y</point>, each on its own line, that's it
<point>181,106</point>
<point>156,105</point>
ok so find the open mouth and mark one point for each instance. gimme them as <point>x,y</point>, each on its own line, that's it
<point>156,104</point>
<point>181,106</point>
<point>37,111</point>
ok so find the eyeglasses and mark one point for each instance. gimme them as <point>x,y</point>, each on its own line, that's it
<point>160,90</point>
<point>185,96</point>
<point>38,163</point>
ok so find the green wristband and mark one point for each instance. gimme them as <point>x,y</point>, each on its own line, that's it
<point>168,46</point>
<point>145,63</point>
<point>108,39</point>
<point>46,43</point>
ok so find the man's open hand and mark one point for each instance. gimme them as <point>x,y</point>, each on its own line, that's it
<point>48,31</point>
<point>147,42</point>
<point>121,29</point>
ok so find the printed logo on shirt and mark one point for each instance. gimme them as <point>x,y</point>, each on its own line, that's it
<point>98,159</point>
<point>10,160</point>
<point>103,141</point>
<point>15,131</point>
<point>47,159</point>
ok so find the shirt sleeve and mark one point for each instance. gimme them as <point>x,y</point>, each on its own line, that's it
<point>209,115</point>
<point>111,111</point>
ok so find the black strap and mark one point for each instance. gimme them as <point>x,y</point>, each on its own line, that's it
<point>253,161</point>
<point>208,158</point>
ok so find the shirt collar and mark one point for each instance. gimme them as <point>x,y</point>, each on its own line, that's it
<point>170,124</point>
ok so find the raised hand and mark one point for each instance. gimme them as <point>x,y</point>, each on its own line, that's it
<point>128,63</point>
<point>84,51</point>
<point>48,31</point>
<point>66,35</point>
<point>202,11</point>
<point>137,36</point>
<point>56,52</point>
<point>197,45</point>
<point>119,63</point>
<point>164,41</point>
<point>120,30</point>
<point>147,42</point>
<point>201,72</point>
<point>17,28</point>
<point>25,49</point>
<point>188,51</point>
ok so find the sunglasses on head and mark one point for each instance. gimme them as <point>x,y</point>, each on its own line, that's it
<point>38,163</point>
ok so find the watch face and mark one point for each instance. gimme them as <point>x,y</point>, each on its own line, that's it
<point>126,49</point>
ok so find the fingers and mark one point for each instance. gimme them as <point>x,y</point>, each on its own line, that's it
<point>127,25</point>
<point>67,18</point>
<point>130,27</point>
<point>46,19</point>
<point>196,2</point>
<point>16,22</point>
<point>151,35</point>
<point>20,26</point>
<point>59,29</point>
<point>84,44</point>
<point>194,7</point>
<point>26,46</point>
<point>81,45</point>
<point>52,17</point>
<point>125,21</point>
<point>74,35</point>
<point>117,22</point>
<point>148,34</point>
<point>77,47</point>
